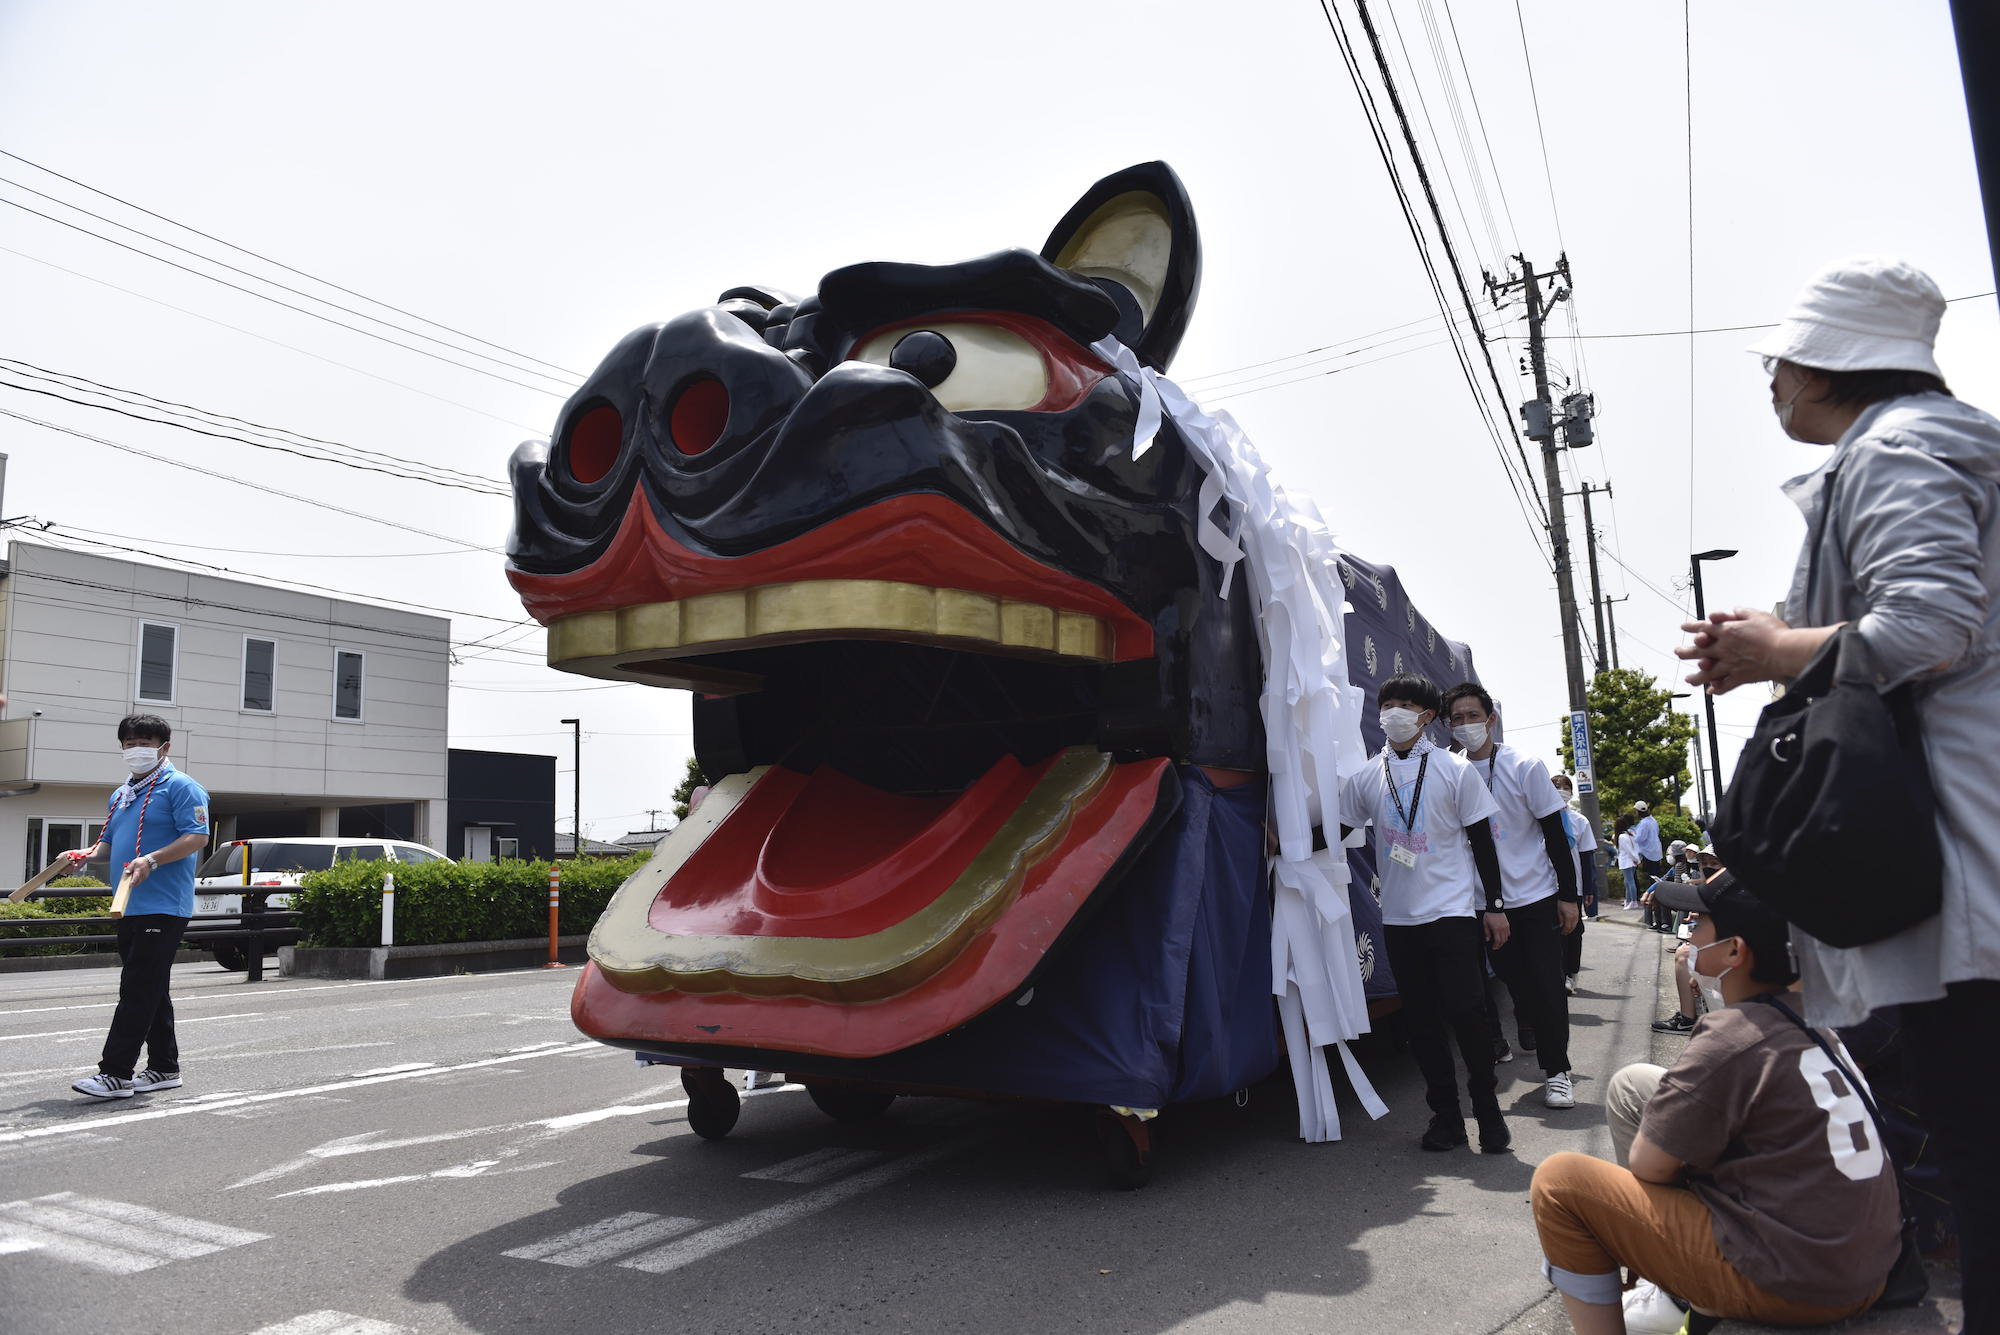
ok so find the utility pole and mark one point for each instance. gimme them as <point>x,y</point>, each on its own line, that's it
<point>1596,589</point>
<point>1540,417</point>
<point>1611,624</point>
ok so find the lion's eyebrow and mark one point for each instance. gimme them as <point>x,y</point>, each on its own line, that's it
<point>862,297</point>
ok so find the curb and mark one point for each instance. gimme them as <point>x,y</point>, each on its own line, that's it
<point>383,962</point>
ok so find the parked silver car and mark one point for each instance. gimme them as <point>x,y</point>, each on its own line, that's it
<point>219,882</point>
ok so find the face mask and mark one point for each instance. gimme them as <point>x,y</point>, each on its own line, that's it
<point>139,759</point>
<point>1401,725</point>
<point>1694,961</point>
<point>1784,410</point>
<point>1471,736</point>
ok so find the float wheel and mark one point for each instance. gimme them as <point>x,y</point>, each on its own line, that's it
<point>713,1105</point>
<point>850,1103</point>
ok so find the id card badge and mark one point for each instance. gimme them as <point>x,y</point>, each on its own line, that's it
<point>1402,855</point>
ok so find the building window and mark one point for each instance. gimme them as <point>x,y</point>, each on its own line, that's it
<point>260,671</point>
<point>159,653</point>
<point>49,837</point>
<point>346,684</point>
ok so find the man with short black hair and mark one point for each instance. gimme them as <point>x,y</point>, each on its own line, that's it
<point>1442,902</point>
<point>154,824</point>
<point>1538,880</point>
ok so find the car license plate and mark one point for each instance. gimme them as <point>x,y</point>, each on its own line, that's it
<point>208,904</point>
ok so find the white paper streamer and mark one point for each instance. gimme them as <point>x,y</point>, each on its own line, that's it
<point>1312,727</point>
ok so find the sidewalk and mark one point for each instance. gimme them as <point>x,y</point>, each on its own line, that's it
<point>1633,1039</point>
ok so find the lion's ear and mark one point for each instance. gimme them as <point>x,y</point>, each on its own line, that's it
<point>1133,234</point>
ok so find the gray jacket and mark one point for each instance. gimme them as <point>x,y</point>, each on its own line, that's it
<point>1910,553</point>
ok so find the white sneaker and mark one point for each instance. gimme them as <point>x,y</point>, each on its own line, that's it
<point>1569,983</point>
<point>1651,1310</point>
<point>1556,1092</point>
<point>150,1080</point>
<point>102,1086</point>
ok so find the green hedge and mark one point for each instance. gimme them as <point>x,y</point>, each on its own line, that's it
<point>440,902</point>
<point>81,907</point>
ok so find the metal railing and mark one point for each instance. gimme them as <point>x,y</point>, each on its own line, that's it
<point>259,927</point>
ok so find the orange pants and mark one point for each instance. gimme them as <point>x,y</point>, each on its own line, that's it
<point>1595,1216</point>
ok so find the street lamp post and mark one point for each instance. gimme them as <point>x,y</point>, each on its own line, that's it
<point>1707,698</point>
<point>576,788</point>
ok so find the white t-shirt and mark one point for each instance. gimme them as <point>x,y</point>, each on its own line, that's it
<point>1628,851</point>
<point>1444,883</point>
<point>1521,788</point>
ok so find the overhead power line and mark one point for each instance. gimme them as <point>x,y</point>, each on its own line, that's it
<point>279,264</point>
<point>279,438</point>
<point>484,489</point>
<point>568,381</point>
<point>1529,504</point>
<point>263,338</point>
<point>276,301</point>
<point>245,482</point>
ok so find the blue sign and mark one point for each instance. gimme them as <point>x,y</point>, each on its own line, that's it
<point>1579,743</point>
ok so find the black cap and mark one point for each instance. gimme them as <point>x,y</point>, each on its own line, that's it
<point>1735,911</point>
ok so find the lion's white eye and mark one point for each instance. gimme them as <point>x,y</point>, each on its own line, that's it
<point>966,365</point>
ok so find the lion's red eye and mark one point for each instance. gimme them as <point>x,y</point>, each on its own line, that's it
<point>699,416</point>
<point>594,442</point>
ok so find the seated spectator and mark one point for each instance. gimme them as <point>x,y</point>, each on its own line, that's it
<point>1750,1180</point>
<point>1685,991</point>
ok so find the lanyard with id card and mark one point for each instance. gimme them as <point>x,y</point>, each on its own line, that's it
<point>1402,851</point>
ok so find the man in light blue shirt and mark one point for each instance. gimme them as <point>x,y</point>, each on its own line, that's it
<point>153,826</point>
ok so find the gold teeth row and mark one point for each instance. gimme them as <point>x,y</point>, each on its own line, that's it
<point>818,606</point>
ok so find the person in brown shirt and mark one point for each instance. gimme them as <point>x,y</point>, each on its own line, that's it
<point>1754,1183</point>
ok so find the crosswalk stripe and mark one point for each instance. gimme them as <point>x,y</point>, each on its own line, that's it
<point>222,1235</point>
<point>811,1169</point>
<point>686,1251</point>
<point>605,1239</point>
<point>111,1235</point>
<point>330,1322</point>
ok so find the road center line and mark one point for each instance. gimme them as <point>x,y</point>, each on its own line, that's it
<point>65,1033</point>
<point>192,997</point>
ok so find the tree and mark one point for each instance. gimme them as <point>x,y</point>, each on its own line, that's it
<point>1641,744</point>
<point>690,781</point>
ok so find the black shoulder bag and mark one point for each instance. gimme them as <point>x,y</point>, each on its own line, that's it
<point>1907,1282</point>
<point>1830,818</point>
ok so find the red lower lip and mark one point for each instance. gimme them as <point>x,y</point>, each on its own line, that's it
<point>740,886</point>
<point>920,538</point>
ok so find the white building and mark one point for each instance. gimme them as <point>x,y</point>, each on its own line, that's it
<point>288,707</point>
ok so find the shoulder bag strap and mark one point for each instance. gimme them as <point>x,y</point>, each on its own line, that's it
<point>1812,549</point>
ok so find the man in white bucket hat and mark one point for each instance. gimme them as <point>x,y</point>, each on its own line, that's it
<point>1903,521</point>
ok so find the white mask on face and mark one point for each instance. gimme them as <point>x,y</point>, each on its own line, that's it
<point>1471,736</point>
<point>1783,409</point>
<point>139,759</point>
<point>1711,986</point>
<point>1401,725</point>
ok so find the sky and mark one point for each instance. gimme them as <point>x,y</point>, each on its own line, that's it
<point>548,178</point>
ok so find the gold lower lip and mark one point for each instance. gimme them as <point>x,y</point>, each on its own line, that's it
<point>634,956</point>
<point>639,643</point>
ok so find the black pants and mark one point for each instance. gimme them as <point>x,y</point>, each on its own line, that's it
<point>1958,1093</point>
<point>1531,964</point>
<point>145,1014</point>
<point>1656,916</point>
<point>1573,953</point>
<point>1441,979</point>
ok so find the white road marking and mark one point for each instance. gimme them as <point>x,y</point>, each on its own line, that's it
<point>330,1322</point>
<point>182,1108</point>
<point>17,1245</point>
<point>604,1239</point>
<point>477,1168</point>
<point>113,1236</point>
<point>400,1066</point>
<point>696,1246</point>
<point>63,1033</point>
<point>810,1169</point>
<point>365,1143</point>
<point>281,994</point>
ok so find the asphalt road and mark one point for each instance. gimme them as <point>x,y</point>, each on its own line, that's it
<point>449,1155</point>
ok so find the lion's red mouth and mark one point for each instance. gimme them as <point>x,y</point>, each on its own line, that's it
<point>815,914</point>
